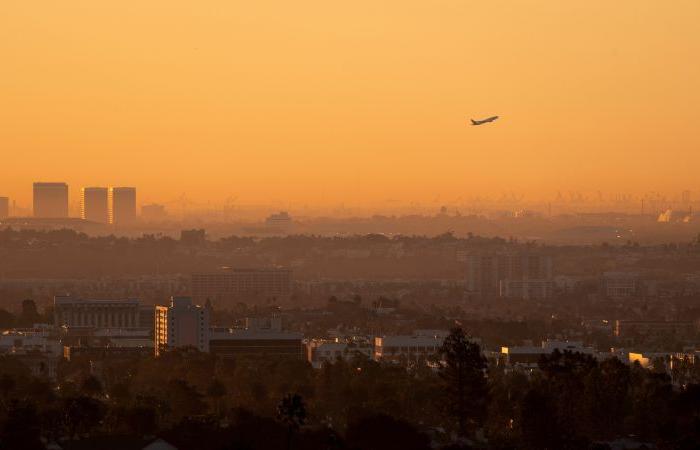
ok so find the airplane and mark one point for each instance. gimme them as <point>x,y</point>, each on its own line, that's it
<point>481,122</point>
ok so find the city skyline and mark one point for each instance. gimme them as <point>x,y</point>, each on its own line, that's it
<point>101,200</point>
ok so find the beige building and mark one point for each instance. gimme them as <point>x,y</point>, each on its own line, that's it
<point>182,324</point>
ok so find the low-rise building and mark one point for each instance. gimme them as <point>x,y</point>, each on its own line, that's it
<point>529,356</point>
<point>97,313</point>
<point>260,337</point>
<point>322,351</point>
<point>421,345</point>
<point>662,360</point>
<point>630,329</point>
<point>30,340</point>
<point>107,352</point>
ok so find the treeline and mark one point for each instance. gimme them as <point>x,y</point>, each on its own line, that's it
<point>34,254</point>
<point>195,401</point>
<point>27,317</point>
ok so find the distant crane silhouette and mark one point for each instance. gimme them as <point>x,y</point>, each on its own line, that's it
<point>229,205</point>
<point>183,202</point>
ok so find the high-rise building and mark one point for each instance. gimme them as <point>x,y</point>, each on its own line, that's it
<point>94,204</point>
<point>685,197</point>
<point>618,285</point>
<point>4,208</point>
<point>51,200</point>
<point>234,284</point>
<point>123,205</point>
<point>509,274</point>
<point>182,324</point>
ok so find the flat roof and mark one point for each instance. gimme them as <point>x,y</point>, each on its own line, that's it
<point>254,335</point>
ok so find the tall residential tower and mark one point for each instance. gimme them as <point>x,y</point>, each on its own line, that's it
<point>94,204</point>
<point>4,208</point>
<point>123,205</point>
<point>50,200</point>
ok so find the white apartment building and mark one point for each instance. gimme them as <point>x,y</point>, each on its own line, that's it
<point>182,324</point>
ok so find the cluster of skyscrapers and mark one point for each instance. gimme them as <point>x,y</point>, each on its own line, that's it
<point>114,205</point>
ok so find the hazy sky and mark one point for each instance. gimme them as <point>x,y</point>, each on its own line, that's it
<point>323,101</point>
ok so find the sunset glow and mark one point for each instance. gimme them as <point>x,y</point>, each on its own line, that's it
<point>321,102</point>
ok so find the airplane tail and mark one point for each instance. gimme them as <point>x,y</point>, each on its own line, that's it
<point>473,121</point>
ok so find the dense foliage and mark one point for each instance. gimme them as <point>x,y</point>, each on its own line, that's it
<point>195,401</point>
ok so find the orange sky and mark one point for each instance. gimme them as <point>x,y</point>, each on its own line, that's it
<point>319,101</point>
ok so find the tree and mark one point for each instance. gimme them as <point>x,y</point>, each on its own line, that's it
<point>91,386</point>
<point>605,398</point>
<point>464,383</point>
<point>379,432</point>
<point>292,412</point>
<point>30,314</point>
<point>142,420</point>
<point>538,425</point>
<point>7,384</point>
<point>184,399</point>
<point>21,429</point>
<point>563,379</point>
<point>216,391</point>
<point>505,394</point>
<point>7,319</point>
<point>82,415</point>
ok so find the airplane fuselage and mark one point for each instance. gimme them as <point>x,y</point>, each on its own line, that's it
<point>481,122</point>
